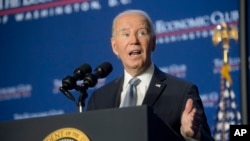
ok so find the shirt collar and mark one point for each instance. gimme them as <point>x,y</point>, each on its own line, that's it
<point>145,77</point>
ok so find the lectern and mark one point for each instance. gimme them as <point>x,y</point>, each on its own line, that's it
<point>119,124</point>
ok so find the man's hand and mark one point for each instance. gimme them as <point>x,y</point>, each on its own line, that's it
<point>190,121</point>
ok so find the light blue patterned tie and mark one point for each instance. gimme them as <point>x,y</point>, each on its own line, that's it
<point>131,94</point>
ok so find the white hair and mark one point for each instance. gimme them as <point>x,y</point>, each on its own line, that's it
<point>143,13</point>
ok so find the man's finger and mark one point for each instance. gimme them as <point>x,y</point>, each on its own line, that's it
<point>189,105</point>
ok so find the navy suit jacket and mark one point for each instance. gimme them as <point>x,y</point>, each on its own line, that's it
<point>167,95</point>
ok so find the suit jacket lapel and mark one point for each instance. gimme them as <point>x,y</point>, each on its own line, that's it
<point>156,87</point>
<point>118,90</point>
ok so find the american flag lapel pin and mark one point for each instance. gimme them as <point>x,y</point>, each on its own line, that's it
<point>158,85</point>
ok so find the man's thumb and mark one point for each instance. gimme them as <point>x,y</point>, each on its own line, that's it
<point>189,105</point>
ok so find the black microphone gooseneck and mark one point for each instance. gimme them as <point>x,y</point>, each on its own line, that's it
<point>69,82</point>
<point>89,80</point>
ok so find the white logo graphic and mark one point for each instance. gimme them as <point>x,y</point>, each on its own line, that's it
<point>193,27</point>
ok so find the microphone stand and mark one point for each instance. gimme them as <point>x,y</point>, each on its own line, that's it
<point>82,97</point>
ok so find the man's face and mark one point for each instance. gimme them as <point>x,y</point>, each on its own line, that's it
<point>132,42</point>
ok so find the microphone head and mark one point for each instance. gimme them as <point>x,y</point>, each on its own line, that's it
<point>80,72</point>
<point>104,69</point>
<point>68,83</point>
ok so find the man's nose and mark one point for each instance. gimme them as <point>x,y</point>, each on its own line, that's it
<point>134,39</point>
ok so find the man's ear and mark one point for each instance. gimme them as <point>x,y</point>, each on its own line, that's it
<point>113,44</point>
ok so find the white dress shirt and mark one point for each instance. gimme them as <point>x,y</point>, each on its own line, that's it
<point>142,87</point>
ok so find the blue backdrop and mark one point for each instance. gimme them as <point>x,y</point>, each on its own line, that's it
<point>43,41</point>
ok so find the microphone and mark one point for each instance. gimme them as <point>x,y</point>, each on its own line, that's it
<point>69,82</point>
<point>101,71</point>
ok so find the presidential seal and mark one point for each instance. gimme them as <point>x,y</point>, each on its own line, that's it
<point>67,134</point>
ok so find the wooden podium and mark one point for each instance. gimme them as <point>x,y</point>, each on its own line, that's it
<point>119,124</point>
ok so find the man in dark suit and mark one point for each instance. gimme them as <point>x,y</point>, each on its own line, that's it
<point>174,100</point>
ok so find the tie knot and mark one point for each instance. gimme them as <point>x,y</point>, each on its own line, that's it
<point>134,81</point>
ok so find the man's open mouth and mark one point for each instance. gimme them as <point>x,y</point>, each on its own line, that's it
<point>135,52</point>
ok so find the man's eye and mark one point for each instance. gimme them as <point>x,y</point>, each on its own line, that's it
<point>142,33</point>
<point>125,34</point>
